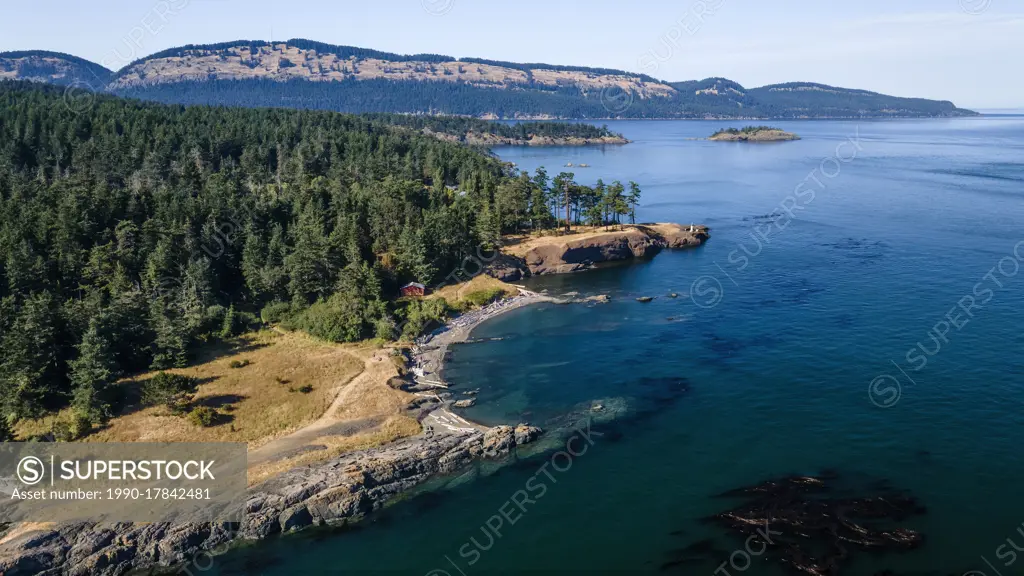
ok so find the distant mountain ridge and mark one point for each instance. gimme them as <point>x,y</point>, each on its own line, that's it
<point>51,67</point>
<point>302,73</point>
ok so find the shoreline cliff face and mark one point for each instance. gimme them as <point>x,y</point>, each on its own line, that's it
<point>338,491</point>
<point>565,254</point>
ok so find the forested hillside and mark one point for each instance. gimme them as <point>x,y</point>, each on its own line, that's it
<point>382,95</point>
<point>133,233</point>
<point>461,125</point>
<point>305,74</point>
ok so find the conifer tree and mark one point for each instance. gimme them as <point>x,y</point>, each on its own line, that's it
<point>92,374</point>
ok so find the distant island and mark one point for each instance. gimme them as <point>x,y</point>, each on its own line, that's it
<point>753,134</point>
<point>476,132</point>
<point>306,74</point>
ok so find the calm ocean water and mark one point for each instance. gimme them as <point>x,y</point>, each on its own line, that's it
<point>859,308</point>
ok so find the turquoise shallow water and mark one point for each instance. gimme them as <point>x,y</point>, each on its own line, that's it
<point>792,333</point>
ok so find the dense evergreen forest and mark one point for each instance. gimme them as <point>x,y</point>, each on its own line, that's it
<point>454,98</point>
<point>393,96</point>
<point>461,125</point>
<point>708,98</point>
<point>132,233</point>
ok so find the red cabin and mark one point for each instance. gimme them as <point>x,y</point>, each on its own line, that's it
<point>414,289</point>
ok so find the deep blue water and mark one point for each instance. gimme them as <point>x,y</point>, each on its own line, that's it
<point>792,331</point>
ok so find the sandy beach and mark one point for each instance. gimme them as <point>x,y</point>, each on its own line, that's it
<point>429,352</point>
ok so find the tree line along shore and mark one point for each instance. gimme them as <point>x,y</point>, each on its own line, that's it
<point>217,274</point>
<point>135,236</point>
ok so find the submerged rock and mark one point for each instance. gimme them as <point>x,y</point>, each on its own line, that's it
<point>645,299</point>
<point>813,526</point>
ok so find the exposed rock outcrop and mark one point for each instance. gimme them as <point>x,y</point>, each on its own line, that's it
<point>335,492</point>
<point>508,268</point>
<point>559,256</point>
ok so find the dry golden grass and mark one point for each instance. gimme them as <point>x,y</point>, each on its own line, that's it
<point>365,414</point>
<point>456,292</point>
<point>521,244</point>
<point>242,62</point>
<point>256,406</point>
<point>21,528</point>
<point>394,428</point>
<point>351,407</point>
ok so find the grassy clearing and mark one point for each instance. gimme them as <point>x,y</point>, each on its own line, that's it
<point>521,244</point>
<point>367,413</point>
<point>394,428</point>
<point>274,391</point>
<point>482,283</point>
<point>264,396</point>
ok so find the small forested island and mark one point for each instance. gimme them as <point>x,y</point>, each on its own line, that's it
<point>477,132</point>
<point>753,134</point>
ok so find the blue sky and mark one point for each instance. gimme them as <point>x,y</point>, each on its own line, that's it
<point>967,51</point>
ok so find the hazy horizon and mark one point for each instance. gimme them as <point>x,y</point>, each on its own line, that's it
<point>945,50</point>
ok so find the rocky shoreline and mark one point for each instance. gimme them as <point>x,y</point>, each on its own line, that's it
<point>339,491</point>
<point>574,253</point>
<point>430,351</point>
<point>336,492</point>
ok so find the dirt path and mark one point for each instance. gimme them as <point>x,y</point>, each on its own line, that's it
<point>374,367</point>
<point>366,400</point>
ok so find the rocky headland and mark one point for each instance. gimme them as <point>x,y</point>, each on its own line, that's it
<point>347,488</point>
<point>336,492</point>
<point>581,251</point>
<point>333,492</point>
